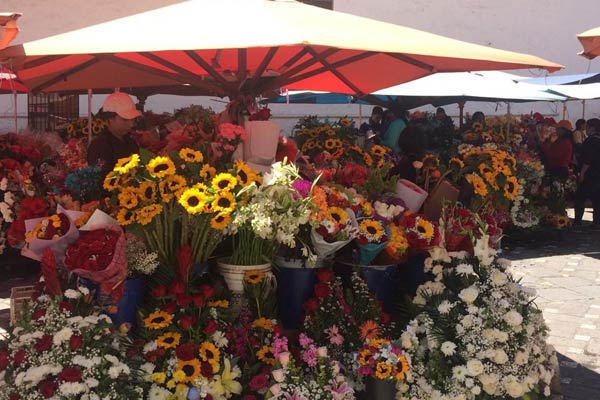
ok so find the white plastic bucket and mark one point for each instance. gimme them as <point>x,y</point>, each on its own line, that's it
<point>234,274</point>
<point>412,195</point>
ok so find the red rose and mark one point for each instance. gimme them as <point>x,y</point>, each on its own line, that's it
<point>19,357</point>
<point>76,342</point>
<point>43,344</point>
<point>3,360</point>
<point>65,306</point>
<point>48,388</point>
<point>187,351</point>
<point>184,300</point>
<point>325,275</point>
<point>37,314</point>
<point>206,370</point>
<point>187,321</point>
<point>169,308</point>
<point>176,288</point>
<point>311,305</point>
<point>258,382</point>
<point>70,374</point>
<point>211,327</point>
<point>277,330</point>
<point>207,291</point>
<point>158,291</point>
<point>198,300</point>
<point>322,290</point>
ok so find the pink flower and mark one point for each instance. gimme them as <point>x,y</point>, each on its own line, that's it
<point>334,335</point>
<point>278,375</point>
<point>305,341</point>
<point>280,345</point>
<point>284,358</point>
<point>275,389</point>
<point>309,356</point>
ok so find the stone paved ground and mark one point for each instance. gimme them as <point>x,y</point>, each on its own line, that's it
<point>565,271</point>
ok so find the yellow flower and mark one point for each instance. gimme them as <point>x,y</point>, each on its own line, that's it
<point>263,323</point>
<point>368,160</point>
<point>338,215</point>
<point>192,200</point>
<point>490,178</point>
<point>125,217</point>
<point>254,276</point>
<point>170,185</point>
<point>190,155</point>
<point>202,188</point>
<point>218,303</point>
<point>169,340</point>
<point>372,229</point>
<point>403,369</point>
<point>224,182</point>
<point>179,376</point>
<point>477,126</point>
<point>424,228</point>
<point>332,143</point>
<point>245,174</point>
<point>456,163</point>
<point>431,161</point>
<point>383,370</point>
<point>128,198</point>
<point>111,181</point>
<point>378,150</point>
<point>158,320</point>
<point>161,166</point>
<point>484,169</point>
<point>511,188</point>
<point>363,356</point>
<point>207,172</point>
<point>345,122</point>
<point>225,385</point>
<point>190,369</point>
<point>210,353</point>
<point>220,221</point>
<point>479,186</point>
<point>146,214</point>
<point>158,377</point>
<point>265,354</point>
<point>147,191</point>
<point>124,165</point>
<point>224,201</point>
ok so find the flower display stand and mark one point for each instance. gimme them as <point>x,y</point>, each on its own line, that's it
<point>128,305</point>
<point>295,285</point>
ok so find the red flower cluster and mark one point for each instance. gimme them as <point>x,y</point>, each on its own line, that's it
<point>352,174</point>
<point>264,114</point>
<point>93,251</point>
<point>31,207</point>
<point>421,233</point>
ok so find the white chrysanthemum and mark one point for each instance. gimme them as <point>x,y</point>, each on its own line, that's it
<point>498,278</point>
<point>464,269</point>
<point>72,294</point>
<point>71,388</point>
<point>459,372</point>
<point>448,348</point>
<point>469,295</point>
<point>445,307</point>
<point>513,318</point>
<point>62,336</point>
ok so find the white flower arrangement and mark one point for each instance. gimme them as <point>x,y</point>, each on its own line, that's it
<point>140,261</point>
<point>55,354</point>
<point>481,337</point>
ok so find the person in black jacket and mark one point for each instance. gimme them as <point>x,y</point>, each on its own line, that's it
<point>589,176</point>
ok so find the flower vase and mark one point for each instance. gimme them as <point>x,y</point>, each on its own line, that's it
<point>260,146</point>
<point>295,285</point>
<point>128,304</point>
<point>234,274</point>
<point>380,389</point>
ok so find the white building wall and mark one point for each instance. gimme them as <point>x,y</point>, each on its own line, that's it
<point>544,28</point>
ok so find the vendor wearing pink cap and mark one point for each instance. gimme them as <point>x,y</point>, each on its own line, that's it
<point>114,143</point>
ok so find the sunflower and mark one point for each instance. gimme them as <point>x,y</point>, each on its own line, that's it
<point>147,191</point>
<point>484,169</point>
<point>477,126</point>
<point>218,303</point>
<point>372,229</point>
<point>207,172</point>
<point>511,188</point>
<point>338,215</point>
<point>403,367</point>
<point>146,214</point>
<point>124,165</point>
<point>510,162</point>
<point>244,174</point>
<point>380,163</point>
<point>190,368</point>
<point>383,370</point>
<point>487,136</point>
<point>125,217</point>
<point>128,198</point>
<point>210,353</point>
<point>71,130</point>
<point>254,276</point>
<point>561,221</point>
<point>378,150</point>
<point>161,166</point>
<point>490,178</point>
<point>369,329</point>
<point>332,143</point>
<point>224,201</point>
<point>220,221</point>
<point>330,132</point>
<point>431,161</point>
<point>192,200</point>
<point>169,340</point>
<point>190,155</point>
<point>368,160</point>
<point>265,354</point>
<point>223,181</point>
<point>364,355</point>
<point>158,320</point>
<point>345,122</point>
<point>263,323</point>
<point>456,163</point>
<point>479,186</point>
<point>424,228</point>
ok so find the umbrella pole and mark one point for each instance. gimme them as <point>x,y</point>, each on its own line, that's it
<point>507,120</point>
<point>582,109</point>
<point>564,109</point>
<point>16,115</point>
<point>461,112</point>
<point>359,114</point>
<point>89,116</point>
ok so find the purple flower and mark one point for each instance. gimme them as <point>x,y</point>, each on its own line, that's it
<point>302,187</point>
<point>294,396</point>
<point>305,341</point>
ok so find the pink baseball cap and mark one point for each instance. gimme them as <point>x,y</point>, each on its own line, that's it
<point>121,104</point>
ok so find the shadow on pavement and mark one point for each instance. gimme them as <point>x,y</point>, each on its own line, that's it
<point>577,381</point>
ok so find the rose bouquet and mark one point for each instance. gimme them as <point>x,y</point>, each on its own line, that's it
<point>421,233</point>
<point>477,331</point>
<point>311,375</point>
<point>57,352</point>
<point>29,208</point>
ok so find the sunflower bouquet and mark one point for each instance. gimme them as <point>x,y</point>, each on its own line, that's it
<point>421,233</point>
<point>382,359</point>
<point>176,200</point>
<point>337,228</point>
<point>373,236</point>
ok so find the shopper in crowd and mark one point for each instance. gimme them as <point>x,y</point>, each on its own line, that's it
<point>589,176</point>
<point>443,130</point>
<point>372,128</point>
<point>558,150</point>
<point>119,112</point>
<point>579,137</point>
<point>394,130</point>
<point>478,116</point>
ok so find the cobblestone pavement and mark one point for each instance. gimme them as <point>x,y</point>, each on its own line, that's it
<point>564,269</point>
